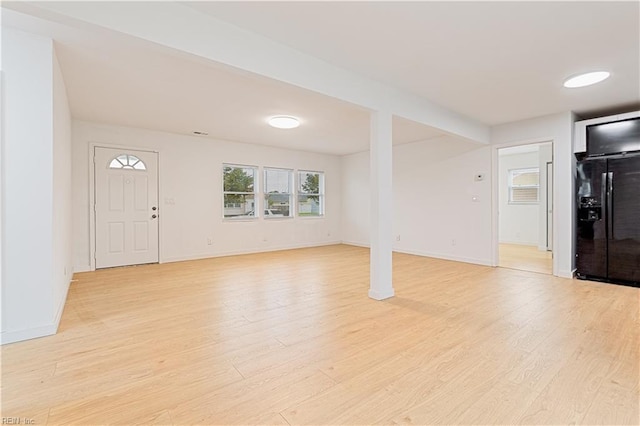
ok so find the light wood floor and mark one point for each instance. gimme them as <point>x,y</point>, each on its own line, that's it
<point>292,338</point>
<point>525,258</point>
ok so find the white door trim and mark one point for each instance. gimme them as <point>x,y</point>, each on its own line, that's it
<point>495,248</point>
<point>550,190</point>
<point>92,198</point>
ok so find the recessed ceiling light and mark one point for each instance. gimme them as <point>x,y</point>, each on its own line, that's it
<point>284,122</point>
<point>586,79</point>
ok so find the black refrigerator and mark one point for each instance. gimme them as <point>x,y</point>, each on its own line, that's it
<point>608,210</point>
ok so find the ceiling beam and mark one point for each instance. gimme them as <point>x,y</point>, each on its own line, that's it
<point>184,28</point>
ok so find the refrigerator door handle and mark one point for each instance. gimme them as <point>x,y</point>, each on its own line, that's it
<point>603,200</point>
<point>610,204</point>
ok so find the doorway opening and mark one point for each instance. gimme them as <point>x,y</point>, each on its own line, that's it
<point>525,207</point>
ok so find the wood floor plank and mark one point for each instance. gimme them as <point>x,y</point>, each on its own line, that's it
<point>525,257</point>
<point>292,338</point>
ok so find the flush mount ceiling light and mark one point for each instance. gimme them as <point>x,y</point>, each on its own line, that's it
<point>586,79</point>
<point>284,122</point>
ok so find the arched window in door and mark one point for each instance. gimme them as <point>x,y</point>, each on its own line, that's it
<point>126,161</point>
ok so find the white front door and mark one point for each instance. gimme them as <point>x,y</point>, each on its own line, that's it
<point>126,207</point>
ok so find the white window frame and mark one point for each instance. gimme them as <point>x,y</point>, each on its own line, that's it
<point>291,192</point>
<point>320,194</point>
<point>255,193</point>
<point>511,186</point>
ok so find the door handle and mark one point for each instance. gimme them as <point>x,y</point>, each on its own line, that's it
<point>603,201</point>
<point>153,216</point>
<point>154,208</point>
<point>610,203</point>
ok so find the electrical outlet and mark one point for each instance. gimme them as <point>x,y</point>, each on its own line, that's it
<point>453,242</point>
<point>209,241</point>
<point>398,237</point>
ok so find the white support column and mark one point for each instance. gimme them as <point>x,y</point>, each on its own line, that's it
<point>381,286</point>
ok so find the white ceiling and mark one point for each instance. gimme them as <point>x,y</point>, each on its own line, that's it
<point>116,79</point>
<point>496,62</point>
<point>470,57</point>
<point>151,89</point>
<point>155,90</point>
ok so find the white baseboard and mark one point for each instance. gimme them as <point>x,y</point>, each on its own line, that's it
<point>198,256</point>
<point>519,243</point>
<point>82,268</point>
<point>252,251</point>
<point>58,316</point>
<point>475,261</point>
<point>463,259</point>
<point>377,295</point>
<point>7,337</point>
<point>567,273</point>
<point>32,333</point>
<point>356,243</point>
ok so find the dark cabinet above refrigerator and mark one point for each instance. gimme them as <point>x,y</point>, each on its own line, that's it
<point>613,138</point>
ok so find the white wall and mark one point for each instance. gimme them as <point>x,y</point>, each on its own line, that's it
<point>433,191</point>
<point>191,194</point>
<point>356,199</point>
<point>27,195</point>
<point>29,263</point>
<point>433,185</point>
<point>519,223</point>
<point>62,214</point>
<point>559,129</point>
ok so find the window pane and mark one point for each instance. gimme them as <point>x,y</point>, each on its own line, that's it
<point>238,179</point>
<point>125,161</point>
<point>277,205</point>
<point>310,205</point>
<point>524,195</point>
<point>309,183</point>
<point>277,181</point>
<point>239,205</point>
<point>526,178</point>
<point>139,166</point>
<point>524,185</point>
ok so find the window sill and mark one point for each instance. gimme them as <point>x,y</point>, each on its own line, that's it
<point>244,219</point>
<point>269,219</point>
